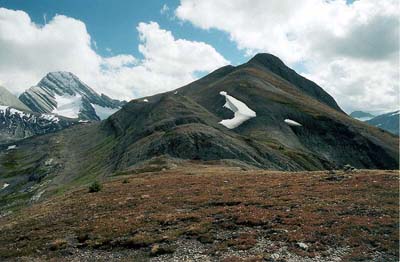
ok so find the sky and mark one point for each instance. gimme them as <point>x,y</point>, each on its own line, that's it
<point>129,49</point>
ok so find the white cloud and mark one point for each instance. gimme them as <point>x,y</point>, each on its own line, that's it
<point>361,39</point>
<point>29,51</point>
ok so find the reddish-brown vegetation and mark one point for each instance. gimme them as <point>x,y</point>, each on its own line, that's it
<point>359,211</point>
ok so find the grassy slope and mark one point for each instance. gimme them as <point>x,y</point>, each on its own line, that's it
<point>225,209</point>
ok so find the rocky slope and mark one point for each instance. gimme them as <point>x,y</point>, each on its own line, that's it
<point>16,125</point>
<point>65,94</point>
<point>17,121</point>
<point>388,122</point>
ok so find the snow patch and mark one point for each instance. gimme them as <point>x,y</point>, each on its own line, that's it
<point>68,106</point>
<point>395,113</point>
<point>51,118</point>
<point>241,110</point>
<point>11,147</point>
<point>145,100</point>
<point>104,112</point>
<point>291,122</point>
<point>364,118</point>
<point>4,186</point>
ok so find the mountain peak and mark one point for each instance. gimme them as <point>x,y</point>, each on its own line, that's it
<point>61,90</point>
<point>62,81</point>
<point>62,75</point>
<point>275,65</point>
<point>267,60</point>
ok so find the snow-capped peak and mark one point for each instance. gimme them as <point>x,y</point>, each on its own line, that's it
<point>64,94</point>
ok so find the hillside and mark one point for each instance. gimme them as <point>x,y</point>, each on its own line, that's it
<point>213,213</point>
<point>185,123</point>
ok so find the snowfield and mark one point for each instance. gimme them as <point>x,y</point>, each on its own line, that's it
<point>104,112</point>
<point>291,122</point>
<point>51,118</point>
<point>241,110</point>
<point>68,106</point>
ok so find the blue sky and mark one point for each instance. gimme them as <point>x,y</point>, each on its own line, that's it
<point>350,48</point>
<point>112,24</point>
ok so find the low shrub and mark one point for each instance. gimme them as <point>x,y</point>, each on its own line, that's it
<point>95,187</point>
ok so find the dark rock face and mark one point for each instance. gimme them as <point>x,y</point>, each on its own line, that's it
<point>388,122</point>
<point>16,125</point>
<point>42,98</point>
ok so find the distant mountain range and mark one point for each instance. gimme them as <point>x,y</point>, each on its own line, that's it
<point>362,116</point>
<point>388,121</point>
<point>58,101</point>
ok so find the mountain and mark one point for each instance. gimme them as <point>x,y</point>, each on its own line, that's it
<point>388,122</point>
<point>16,125</point>
<point>186,123</point>
<point>8,99</point>
<point>18,122</point>
<point>362,116</point>
<point>64,94</point>
<point>260,114</point>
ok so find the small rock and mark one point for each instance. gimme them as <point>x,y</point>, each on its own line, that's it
<point>302,245</point>
<point>157,249</point>
<point>145,196</point>
<point>348,168</point>
<point>48,162</point>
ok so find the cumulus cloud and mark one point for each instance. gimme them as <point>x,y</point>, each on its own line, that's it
<point>350,49</point>
<point>28,51</point>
